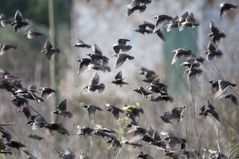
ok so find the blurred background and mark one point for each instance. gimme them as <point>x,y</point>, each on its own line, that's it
<point>103,22</point>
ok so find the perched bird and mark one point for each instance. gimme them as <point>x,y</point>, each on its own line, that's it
<point>143,91</point>
<point>33,34</point>
<point>48,50</point>
<point>114,110</point>
<point>189,21</point>
<point>46,92</point>
<point>119,79</point>
<point>226,7</point>
<point>180,52</point>
<point>192,73</point>
<point>62,109</point>
<point>82,44</point>
<point>121,46</point>
<point>95,84</point>
<point>121,59</point>
<point>91,109</point>
<point>18,21</point>
<point>173,24</point>
<point>6,47</point>
<point>220,86</point>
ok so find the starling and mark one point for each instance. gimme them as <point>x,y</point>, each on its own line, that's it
<point>162,97</point>
<point>14,144</point>
<point>95,84</point>
<point>19,21</point>
<point>166,117</point>
<point>226,7</point>
<point>150,75</point>
<point>160,19</point>
<point>207,109</point>
<point>176,113</point>
<point>85,131</point>
<point>121,59</point>
<point>33,34</point>
<point>189,21</point>
<point>173,24</point>
<point>121,46</point>
<point>231,97</point>
<point>48,50</point>
<point>6,47</point>
<point>215,34</point>
<point>143,91</point>
<point>55,127</point>
<point>119,79</point>
<point>91,109</point>
<point>212,52</point>
<point>46,92</point>
<point>82,44</point>
<point>114,110</point>
<point>180,52</point>
<point>85,63</point>
<point>133,112</point>
<point>62,109</point>
<point>137,5</point>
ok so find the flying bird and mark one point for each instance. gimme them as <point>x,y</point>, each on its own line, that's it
<point>95,84</point>
<point>121,59</point>
<point>18,21</point>
<point>48,50</point>
<point>119,79</point>
<point>62,109</point>
<point>114,110</point>
<point>226,7</point>
<point>91,109</point>
<point>121,46</point>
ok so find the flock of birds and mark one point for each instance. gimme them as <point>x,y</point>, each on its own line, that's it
<point>173,146</point>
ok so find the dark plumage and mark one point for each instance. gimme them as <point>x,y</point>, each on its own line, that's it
<point>137,5</point>
<point>215,34</point>
<point>121,46</point>
<point>226,7</point>
<point>48,50</point>
<point>91,109</point>
<point>18,21</point>
<point>119,79</point>
<point>46,92</point>
<point>114,110</point>
<point>207,109</point>
<point>62,109</point>
<point>85,131</point>
<point>160,19</point>
<point>121,59</point>
<point>143,91</point>
<point>95,84</point>
<point>85,63</point>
